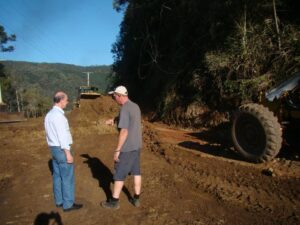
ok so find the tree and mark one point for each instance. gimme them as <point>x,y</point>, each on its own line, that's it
<point>4,80</point>
<point>4,39</point>
<point>119,5</point>
<point>211,52</point>
<point>34,104</point>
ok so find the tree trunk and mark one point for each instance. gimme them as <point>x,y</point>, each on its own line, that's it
<point>244,39</point>
<point>276,24</point>
<point>21,102</point>
<point>18,103</point>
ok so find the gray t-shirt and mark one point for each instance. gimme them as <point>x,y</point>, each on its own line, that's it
<point>130,119</point>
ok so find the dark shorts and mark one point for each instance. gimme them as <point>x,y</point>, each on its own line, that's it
<point>128,164</point>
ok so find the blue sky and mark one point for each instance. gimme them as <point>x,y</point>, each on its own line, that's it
<point>79,32</point>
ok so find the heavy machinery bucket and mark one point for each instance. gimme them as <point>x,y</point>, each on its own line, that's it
<point>89,95</point>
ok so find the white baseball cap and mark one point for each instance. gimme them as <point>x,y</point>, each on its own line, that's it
<point>119,90</point>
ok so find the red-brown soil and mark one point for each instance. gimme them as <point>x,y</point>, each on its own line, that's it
<point>188,177</point>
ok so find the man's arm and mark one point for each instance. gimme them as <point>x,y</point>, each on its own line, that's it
<point>69,156</point>
<point>63,134</point>
<point>122,138</point>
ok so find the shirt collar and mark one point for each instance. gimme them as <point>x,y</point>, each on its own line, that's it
<point>59,109</point>
<point>126,102</point>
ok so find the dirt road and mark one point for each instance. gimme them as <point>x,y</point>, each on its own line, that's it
<point>188,178</point>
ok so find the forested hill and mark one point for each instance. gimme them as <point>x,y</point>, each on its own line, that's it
<point>186,59</point>
<point>35,83</point>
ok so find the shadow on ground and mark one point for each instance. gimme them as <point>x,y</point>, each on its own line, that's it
<point>219,140</point>
<point>48,219</point>
<point>103,174</point>
<point>220,143</point>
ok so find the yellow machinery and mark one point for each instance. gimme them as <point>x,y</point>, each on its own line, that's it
<point>258,129</point>
<point>87,92</point>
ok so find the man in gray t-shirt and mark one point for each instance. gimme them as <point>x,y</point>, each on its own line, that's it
<point>130,119</point>
<point>127,153</point>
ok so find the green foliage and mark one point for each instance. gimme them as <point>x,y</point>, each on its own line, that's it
<point>119,5</point>
<point>8,92</point>
<point>217,53</point>
<point>33,103</point>
<point>4,39</point>
<point>245,89</point>
<point>4,81</point>
<point>35,83</point>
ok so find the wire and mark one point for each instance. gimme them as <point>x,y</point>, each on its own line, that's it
<point>39,34</point>
<point>27,42</point>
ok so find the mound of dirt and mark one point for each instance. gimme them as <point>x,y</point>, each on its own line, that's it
<point>188,177</point>
<point>91,110</point>
<point>194,116</point>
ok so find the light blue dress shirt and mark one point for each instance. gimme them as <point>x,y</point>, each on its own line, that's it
<point>57,129</point>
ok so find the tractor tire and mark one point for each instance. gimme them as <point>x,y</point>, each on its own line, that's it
<point>256,133</point>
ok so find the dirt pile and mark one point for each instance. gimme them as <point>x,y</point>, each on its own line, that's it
<point>194,115</point>
<point>90,116</point>
<point>92,109</point>
<point>268,190</point>
<point>188,177</point>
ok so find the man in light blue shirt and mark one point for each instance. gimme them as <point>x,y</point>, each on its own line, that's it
<point>59,140</point>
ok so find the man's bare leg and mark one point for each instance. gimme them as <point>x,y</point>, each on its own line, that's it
<point>137,190</point>
<point>137,184</point>
<point>118,185</point>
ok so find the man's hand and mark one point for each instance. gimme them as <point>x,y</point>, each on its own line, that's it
<point>69,156</point>
<point>116,156</point>
<point>109,122</point>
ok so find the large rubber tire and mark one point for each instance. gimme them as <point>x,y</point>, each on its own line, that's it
<point>256,133</point>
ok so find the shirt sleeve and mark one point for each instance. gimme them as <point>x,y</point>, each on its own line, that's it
<point>124,119</point>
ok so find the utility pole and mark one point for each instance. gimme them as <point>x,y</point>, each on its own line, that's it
<point>2,104</point>
<point>88,78</point>
<point>1,101</point>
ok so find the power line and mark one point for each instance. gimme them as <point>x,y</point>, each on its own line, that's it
<point>27,42</point>
<point>36,31</point>
<point>40,32</point>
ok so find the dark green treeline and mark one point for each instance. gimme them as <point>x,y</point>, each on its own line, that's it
<point>174,53</point>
